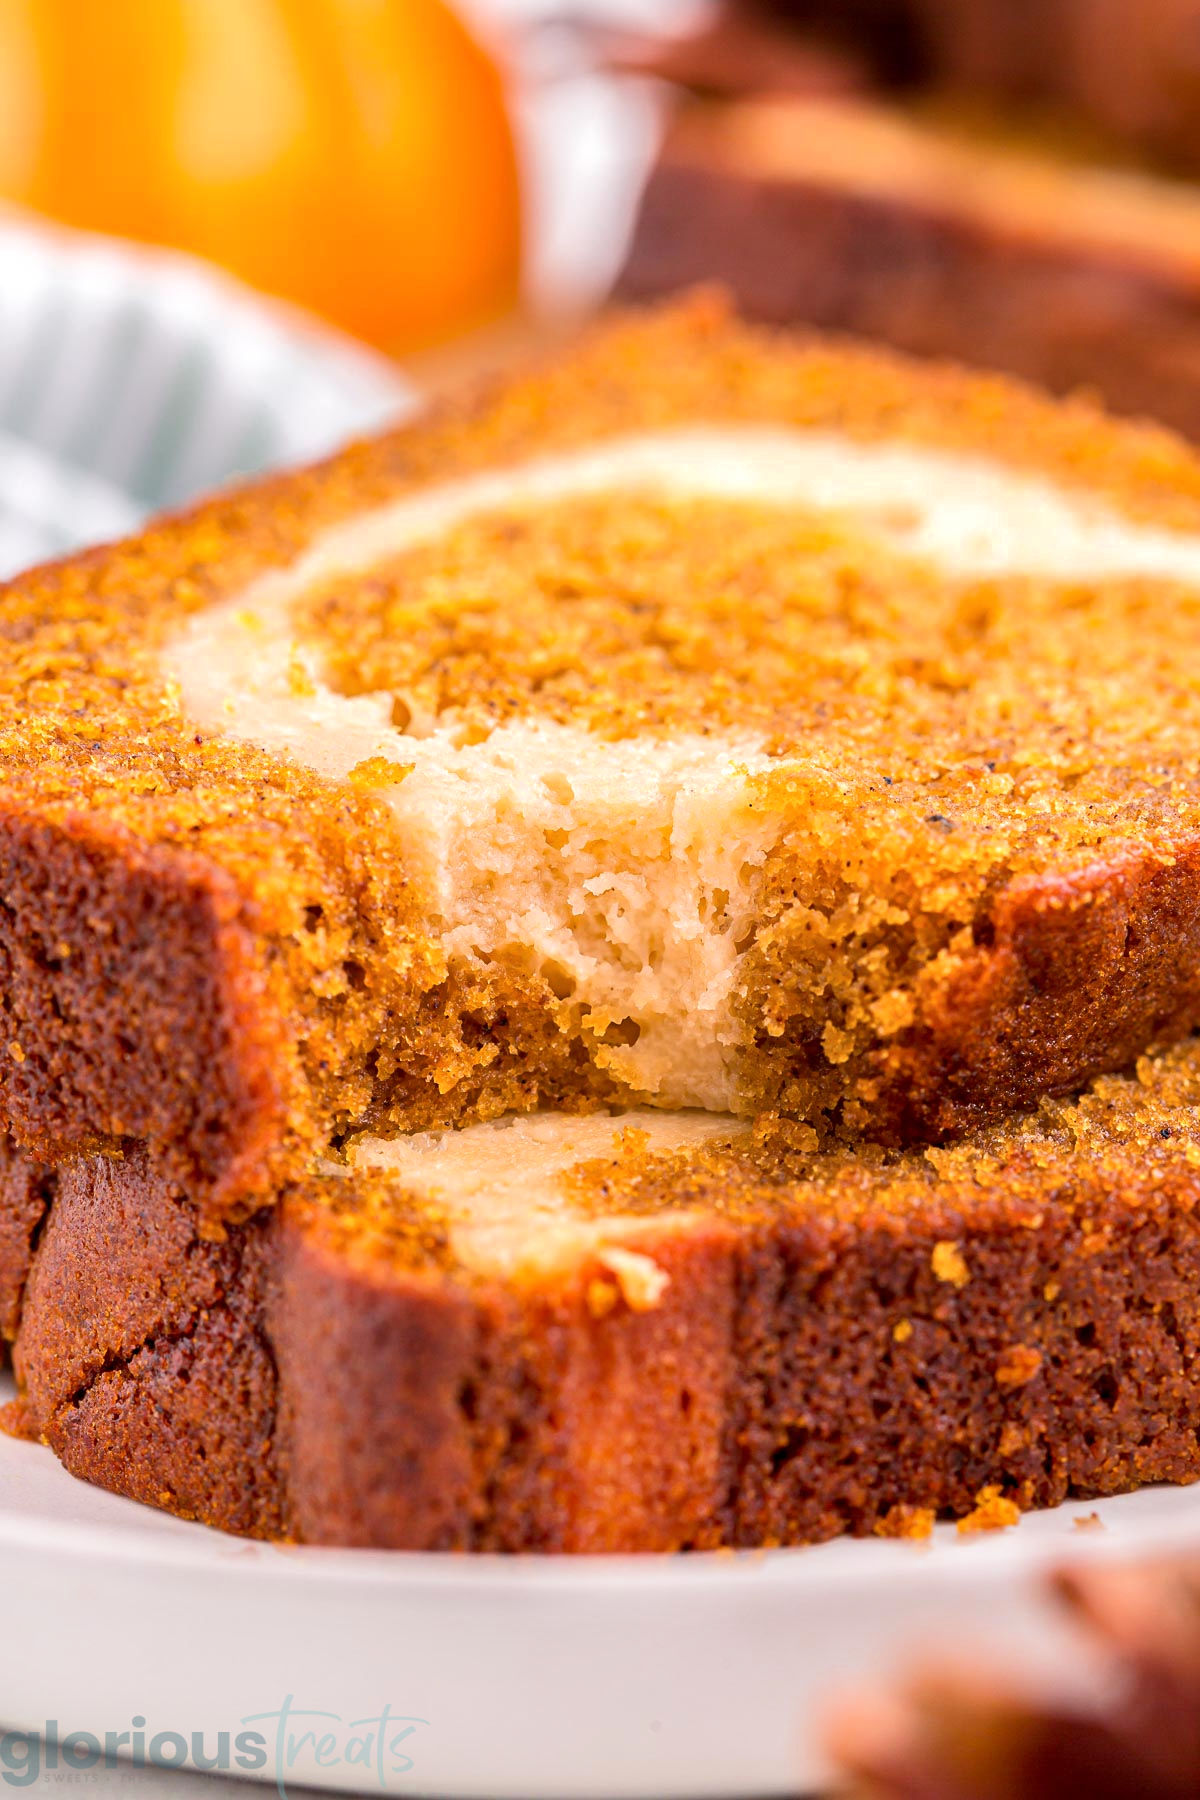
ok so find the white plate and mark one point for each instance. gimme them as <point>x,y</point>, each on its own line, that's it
<point>701,1675</point>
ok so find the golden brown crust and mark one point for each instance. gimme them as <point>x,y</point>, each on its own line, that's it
<point>274,1384</point>
<point>846,1344</point>
<point>1056,973</point>
<point>953,766</point>
<point>532,1423</point>
<point>221,954</point>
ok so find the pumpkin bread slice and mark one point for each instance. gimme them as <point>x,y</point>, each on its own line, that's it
<point>711,720</point>
<point>646,1332</point>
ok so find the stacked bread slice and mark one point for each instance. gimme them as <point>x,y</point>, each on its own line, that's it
<point>935,229</point>
<point>614,970</point>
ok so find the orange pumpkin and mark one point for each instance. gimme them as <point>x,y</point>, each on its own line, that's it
<point>352,155</point>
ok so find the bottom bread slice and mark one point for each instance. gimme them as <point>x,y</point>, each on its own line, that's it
<point>643,1333</point>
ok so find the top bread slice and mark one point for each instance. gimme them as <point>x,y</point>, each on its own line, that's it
<point>711,720</point>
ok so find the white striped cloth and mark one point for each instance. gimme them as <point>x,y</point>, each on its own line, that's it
<point>132,380</point>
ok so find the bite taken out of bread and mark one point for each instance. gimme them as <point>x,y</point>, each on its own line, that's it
<point>711,720</point>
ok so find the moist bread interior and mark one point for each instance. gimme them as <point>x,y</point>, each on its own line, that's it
<point>625,758</point>
<point>709,720</point>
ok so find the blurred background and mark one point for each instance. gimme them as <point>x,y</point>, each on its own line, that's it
<point>233,232</point>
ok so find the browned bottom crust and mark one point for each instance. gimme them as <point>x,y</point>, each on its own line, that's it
<point>808,1372</point>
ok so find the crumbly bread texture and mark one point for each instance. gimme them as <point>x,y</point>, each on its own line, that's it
<point>935,237</point>
<point>640,1333</point>
<point>710,720</point>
